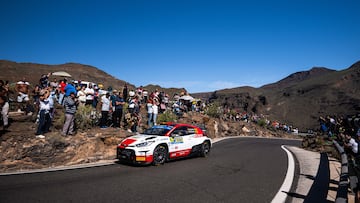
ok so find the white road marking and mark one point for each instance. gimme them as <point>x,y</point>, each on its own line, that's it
<point>286,186</point>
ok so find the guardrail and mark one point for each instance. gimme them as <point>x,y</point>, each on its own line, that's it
<point>342,192</point>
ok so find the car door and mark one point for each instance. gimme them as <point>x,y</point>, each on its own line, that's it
<point>179,142</point>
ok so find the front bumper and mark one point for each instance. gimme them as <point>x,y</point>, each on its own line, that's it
<point>129,155</point>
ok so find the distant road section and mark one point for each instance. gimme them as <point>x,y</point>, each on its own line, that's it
<point>237,170</point>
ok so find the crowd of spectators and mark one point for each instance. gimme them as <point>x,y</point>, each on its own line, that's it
<point>262,120</point>
<point>41,100</point>
<point>346,130</point>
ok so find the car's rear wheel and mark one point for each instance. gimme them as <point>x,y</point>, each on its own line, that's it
<point>159,155</point>
<point>205,149</point>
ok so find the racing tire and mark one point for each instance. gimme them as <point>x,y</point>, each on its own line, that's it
<point>159,155</point>
<point>205,149</point>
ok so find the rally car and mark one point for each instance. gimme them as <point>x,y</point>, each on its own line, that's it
<point>164,142</point>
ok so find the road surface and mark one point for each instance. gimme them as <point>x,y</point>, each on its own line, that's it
<point>237,170</point>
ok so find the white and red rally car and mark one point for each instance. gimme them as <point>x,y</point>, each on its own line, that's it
<point>164,142</point>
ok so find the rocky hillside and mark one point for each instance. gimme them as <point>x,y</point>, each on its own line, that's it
<point>300,98</point>
<point>32,72</point>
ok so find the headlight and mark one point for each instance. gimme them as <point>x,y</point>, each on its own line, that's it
<point>144,144</point>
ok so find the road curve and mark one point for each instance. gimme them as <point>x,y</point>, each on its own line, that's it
<point>237,170</point>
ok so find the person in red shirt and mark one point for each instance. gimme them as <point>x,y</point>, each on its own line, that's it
<point>62,91</point>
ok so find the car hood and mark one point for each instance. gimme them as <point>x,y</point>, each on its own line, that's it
<point>140,138</point>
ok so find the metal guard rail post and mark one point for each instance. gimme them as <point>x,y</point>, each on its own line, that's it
<point>342,192</point>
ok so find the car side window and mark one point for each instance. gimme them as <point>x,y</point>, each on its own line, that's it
<point>181,131</point>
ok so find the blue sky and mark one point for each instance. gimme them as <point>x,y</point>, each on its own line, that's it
<point>197,44</point>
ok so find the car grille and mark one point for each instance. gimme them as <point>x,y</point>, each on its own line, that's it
<point>125,154</point>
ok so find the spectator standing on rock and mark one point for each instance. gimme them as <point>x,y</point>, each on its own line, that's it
<point>70,103</point>
<point>22,88</point>
<point>44,114</point>
<point>105,109</point>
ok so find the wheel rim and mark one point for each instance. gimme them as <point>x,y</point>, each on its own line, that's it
<point>159,155</point>
<point>206,148</point>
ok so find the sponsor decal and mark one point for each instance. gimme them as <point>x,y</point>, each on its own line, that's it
<point>176,140</point>
<point>198,135</point>
<point>180,153</point>
<point>127,142</point>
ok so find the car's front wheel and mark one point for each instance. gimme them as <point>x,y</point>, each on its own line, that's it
<point>205,149</point>
<point>159,155</point>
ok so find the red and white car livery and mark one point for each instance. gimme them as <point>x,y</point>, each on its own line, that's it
<point>164,142</point>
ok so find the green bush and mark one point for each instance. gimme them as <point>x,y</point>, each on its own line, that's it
<point>261,122</point>
<point>213,110</point>
<point>167,116</point>
<point>86,117</point>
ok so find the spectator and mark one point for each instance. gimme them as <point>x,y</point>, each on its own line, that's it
<point>22,87</point>
<point>133,117</point>
<point>81,95</point>
<point>44,114</point>
<point>36,94</point>
<point>131,95</point>
<point>150,112</point>
<point>155,112</point>
<point>117,115</point>
<point>4,89</point>
<point>62,86</point>
<point>70,103</point>
<point>105,108</point>
<point>4,104</point>
<point>351,144</point>
<point>113,99</point>
<point>96,96</point>
<point>44,81</point>
<point>139,91</point>
<point>125,92</point>
<point>145,95</point>
<point>52,99</point>
<point>69,88</point>
<point>89,91</point>
<point>166,100</point>
<point>54,84</point>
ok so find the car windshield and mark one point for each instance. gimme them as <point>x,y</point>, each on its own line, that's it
<point>160,130</point>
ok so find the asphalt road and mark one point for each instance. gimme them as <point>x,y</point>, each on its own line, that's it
<point>237,170</point>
